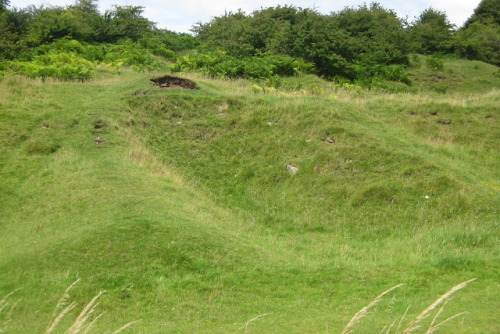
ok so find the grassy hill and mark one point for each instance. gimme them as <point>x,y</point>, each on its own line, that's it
<point>179,204</point>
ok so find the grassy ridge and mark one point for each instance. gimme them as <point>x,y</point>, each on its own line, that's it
<point>391,189</point>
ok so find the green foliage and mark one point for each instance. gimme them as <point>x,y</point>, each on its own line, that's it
<point>376,35</point>
<point>157,47</point>
<point>13,23</point>
<point>129,53</point>
<point>219,64</point>
<point>68,59</point>
<point>173,40</point>
<point>3,5</point>
<point>333,43</point>
<point>435,63</point>
<point>126,22</point>
<point>487,10</point>
<point>230,33</point>
<point>49,24</point>
<point>59,65</point>
<point>480,41</point>
<point>432,33</point>
<point>383,72</point>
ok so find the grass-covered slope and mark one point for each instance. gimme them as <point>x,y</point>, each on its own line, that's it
<point>179,203</point>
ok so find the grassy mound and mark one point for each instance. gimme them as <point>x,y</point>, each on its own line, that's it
<point>180,205</point>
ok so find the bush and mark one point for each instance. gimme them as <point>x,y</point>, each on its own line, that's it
<point>219,64</point>
<point>128,53</point>
<point>68,59</point>
<point>59,65</point>
<point>370,73</point>
<point>479,41</point>
<point>435,63</point>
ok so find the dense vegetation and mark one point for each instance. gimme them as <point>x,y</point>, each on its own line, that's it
<point>365,44</point>
<point>324,160</point>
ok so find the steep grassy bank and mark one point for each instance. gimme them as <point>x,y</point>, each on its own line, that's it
<point>180,206</point>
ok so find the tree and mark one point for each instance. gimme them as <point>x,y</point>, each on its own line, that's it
<point>480,37</point>
<point>480,41</point>
<point>230,33</point>
<point>49,24</point>
<point>487,10</point>
<point>127,22</point>
<point>3,5</point>
<point>87,20</point>
<point>13,25</point>
<point>376,35</point>
<point>432,33</point>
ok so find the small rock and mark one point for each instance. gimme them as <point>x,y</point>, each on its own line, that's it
<point>330,140</point>
<point>292,169</point>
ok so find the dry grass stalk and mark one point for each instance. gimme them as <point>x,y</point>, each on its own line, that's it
<point>436,327</point>
<point>58,319</point>
<point>84,315</point>
<point>413,326</point>
<point>402,318</point>
<point>81,325</point>
<point>4,302</point>
<point>438,313</point>
<point>124,327</point>
<point>56,315</point>
<point>245,327</point>
<point>6,306</point>
<point>387,329</point>
<point>89,326</point>
<point>364,311</point>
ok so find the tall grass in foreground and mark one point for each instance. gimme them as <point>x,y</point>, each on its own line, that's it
<point>87,318</point>
<point>83,323</point>
<point>414,325</point>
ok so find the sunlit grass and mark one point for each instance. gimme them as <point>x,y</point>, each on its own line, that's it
<point>187,216</point>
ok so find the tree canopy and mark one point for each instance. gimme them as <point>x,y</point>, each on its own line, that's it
<point>350,43</point>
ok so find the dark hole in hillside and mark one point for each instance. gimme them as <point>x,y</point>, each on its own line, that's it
<point>171,82</point>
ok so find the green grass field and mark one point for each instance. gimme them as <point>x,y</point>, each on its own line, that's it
<point>179,205</point>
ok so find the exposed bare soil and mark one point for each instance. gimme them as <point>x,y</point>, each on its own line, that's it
<point>172,82</point>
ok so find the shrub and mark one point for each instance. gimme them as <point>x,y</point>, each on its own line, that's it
<point>435,63</point>
<point>219,64</point>
<point>68,59</point>
<point>369,73</point>
<point>63,66</point>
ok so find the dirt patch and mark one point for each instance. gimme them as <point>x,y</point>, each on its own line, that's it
<point>171,82</point>
<point>445,121</point>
